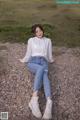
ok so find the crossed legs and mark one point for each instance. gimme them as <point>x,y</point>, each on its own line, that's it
<point>41,78</point>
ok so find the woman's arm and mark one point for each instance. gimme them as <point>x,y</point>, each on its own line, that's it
<point>28,53</point>
<point>50,56</point>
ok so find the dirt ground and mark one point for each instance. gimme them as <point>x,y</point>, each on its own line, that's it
<point>16,83</point>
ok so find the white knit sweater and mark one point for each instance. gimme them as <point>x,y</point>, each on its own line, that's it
<point>39,47</point>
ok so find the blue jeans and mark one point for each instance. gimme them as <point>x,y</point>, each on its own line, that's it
<point>39,66</point>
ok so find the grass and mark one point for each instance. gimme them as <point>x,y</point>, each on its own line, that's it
<point>61,23</point>
<point>22,33</point>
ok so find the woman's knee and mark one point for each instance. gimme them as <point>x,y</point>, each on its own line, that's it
<point>28,65</point>
<point>41,68</point>
<point>37,68</point>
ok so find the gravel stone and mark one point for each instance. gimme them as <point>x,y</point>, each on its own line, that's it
<point>16,83</point>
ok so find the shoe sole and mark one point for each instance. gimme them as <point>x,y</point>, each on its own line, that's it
<point>46,118</point>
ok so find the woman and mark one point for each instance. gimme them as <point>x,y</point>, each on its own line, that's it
<point>39,53</point>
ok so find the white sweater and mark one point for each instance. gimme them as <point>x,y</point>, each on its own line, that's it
<point>39,47</point>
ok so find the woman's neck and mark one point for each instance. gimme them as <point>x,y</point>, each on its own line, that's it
<point>39,37</point>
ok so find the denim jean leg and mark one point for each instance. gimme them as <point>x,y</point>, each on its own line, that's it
<point>46,84</point>
<point>38,71</point>
<point>39,66</point>
<point>46,81</point>
<point>39,78</point>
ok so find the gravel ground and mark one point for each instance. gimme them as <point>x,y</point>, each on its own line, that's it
<point>16,83</point>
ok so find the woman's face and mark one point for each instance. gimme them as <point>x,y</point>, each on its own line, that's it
<point>39,32</point>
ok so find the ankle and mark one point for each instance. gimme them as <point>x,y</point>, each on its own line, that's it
<point>35,94</point>
<point>49,99</point>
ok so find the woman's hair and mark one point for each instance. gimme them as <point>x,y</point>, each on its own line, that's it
<point>35,26</point>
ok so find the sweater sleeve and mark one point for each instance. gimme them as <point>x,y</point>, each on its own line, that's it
<point>50,56</point>
<point>28,52</point>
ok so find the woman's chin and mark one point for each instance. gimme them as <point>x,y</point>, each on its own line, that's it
<point>39,36</point>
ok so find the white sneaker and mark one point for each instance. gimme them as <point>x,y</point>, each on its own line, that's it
<point>48,110</point>
<point>34,106</point>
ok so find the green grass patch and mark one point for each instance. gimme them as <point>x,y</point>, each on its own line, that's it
<point>21,33</point>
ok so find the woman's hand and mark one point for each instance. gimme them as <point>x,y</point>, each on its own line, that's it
<point>21,60</point>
